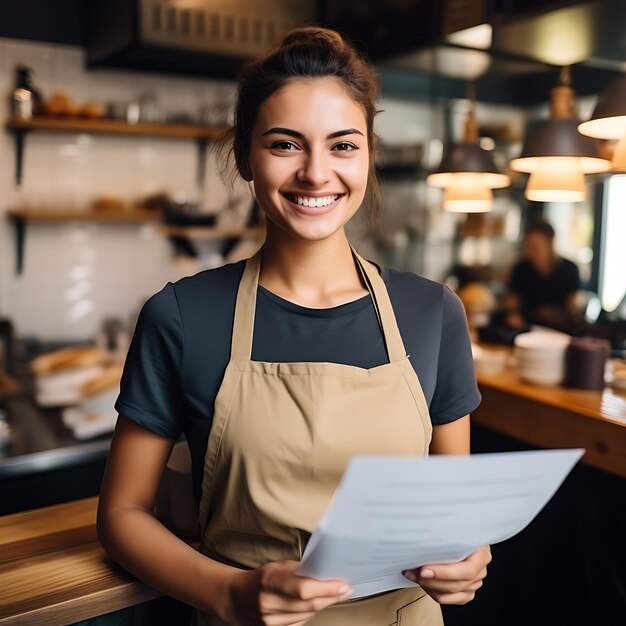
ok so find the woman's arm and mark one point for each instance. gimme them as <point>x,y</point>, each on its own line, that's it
<point>452,438</point>
<point>136,540</point>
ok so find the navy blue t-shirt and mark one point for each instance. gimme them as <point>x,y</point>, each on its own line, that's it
<point>181,347</point>
<point>537,290</point>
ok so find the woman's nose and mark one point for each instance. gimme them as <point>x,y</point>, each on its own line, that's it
<point>315,169</point>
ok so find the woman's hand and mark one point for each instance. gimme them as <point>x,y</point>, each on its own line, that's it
<point>453,583</point>
<point>274,595</point>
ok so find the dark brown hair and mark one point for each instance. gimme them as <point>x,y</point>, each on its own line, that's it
<point>541,227</point>
<point>310,52</point>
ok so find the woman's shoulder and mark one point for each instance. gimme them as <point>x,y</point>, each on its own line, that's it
<point>416,297</point>
<point>225,277</point>
<point>410,286</point>
<point>208,289</point>
<point>198,294</point>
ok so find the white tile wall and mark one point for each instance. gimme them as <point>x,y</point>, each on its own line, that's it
<point>77,274</point>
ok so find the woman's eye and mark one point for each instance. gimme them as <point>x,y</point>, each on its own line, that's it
<point>284,145</point>
<point>344,146</point>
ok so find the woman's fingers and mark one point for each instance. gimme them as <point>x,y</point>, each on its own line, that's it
<point>286,599</point>
<point>453,598</point>
<point>280,579</point>
<point>468,569</point>
<point>272,603</point>
<point>449,586</point>
<point>453,583</point>
<point>274,595</point>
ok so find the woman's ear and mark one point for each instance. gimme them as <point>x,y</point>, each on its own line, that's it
<point>244,170</point>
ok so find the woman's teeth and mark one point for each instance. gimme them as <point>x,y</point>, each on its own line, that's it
<point>313,202</point>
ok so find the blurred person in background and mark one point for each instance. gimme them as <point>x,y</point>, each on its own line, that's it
<point>543,285</point>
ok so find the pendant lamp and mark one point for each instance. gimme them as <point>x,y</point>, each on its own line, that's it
<point>468,172</point>
<point>555,154</point>
<point>467,196</point>
<point>608,121</point>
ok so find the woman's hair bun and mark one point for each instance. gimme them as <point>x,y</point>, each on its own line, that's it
<point>313,35</point>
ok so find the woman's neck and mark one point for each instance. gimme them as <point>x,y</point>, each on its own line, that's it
<point>315,274</point>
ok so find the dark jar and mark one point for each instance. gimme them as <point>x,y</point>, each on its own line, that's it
<point>585,362</point>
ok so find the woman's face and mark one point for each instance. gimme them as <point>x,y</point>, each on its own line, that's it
<point>309,158</point>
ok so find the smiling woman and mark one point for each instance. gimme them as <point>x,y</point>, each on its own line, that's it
<point>306,56</point>
<point>281,368</point>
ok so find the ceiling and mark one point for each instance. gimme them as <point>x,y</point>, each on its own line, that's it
<point>531,38</point>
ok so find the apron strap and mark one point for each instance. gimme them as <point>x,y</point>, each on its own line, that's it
<point>383,307</point>
<point>245,307</point>
<point>243,324</point>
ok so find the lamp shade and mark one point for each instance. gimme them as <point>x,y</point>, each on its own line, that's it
<point>559,179</point>
<point>558,137</point>
<point>608,120</point>
<point>618,164</point>
<point>467,196</point>
<point>468,158</point>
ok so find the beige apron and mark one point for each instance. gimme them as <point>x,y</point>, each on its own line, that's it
<point>283,434</point>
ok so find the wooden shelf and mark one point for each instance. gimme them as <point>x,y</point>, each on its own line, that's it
<point>85,215</point>
<point>212,232</point>
<point>202,135</point>
<point>115,127</point>
<point>21,217</point>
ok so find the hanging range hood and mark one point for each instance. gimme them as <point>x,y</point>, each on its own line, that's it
<point>200,37</point>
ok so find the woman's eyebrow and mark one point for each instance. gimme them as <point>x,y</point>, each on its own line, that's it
<point>341,133</point>
<point>283,131</point>
<point>294,133</point>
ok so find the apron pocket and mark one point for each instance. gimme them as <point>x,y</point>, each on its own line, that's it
<point>423,611</point>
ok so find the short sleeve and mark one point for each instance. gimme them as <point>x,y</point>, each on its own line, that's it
<point>456,391</point>
<point>150,392</point>
<point>517,282</point>
<point>573,278</point>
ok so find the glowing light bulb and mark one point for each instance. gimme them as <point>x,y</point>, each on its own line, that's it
<point>467,195</point>
<point>559,179</point>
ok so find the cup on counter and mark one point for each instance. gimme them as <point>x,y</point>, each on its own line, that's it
<point>585,363</point>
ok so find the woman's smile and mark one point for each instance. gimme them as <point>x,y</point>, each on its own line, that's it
<point>313,205</point>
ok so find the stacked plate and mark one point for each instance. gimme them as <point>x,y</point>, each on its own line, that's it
<point>541,356</point>
<point>60,374</point>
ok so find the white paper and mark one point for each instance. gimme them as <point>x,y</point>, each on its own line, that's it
<point>390,514</point>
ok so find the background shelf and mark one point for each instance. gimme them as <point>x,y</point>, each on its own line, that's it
<point>212,232</point>
<point>84,215</point>
<point>115,127</point>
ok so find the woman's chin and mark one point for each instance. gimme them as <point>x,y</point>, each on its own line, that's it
<point>317,229</point>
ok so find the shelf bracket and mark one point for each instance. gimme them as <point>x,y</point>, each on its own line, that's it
<point>202,144</point>
<point>19,223</point>
<point>19,135</point>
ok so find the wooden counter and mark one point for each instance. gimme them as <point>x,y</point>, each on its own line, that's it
<point>53,570</point>
<point>555,417</point>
